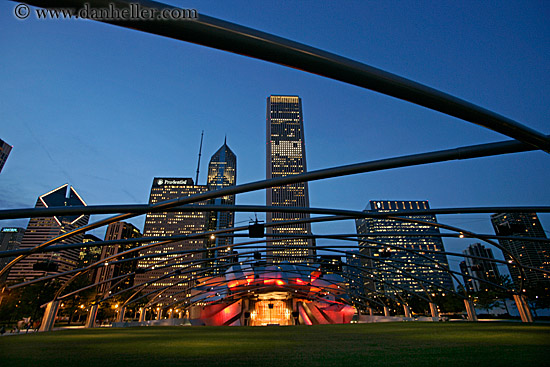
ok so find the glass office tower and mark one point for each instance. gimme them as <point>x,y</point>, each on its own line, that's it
<point>396,270</point>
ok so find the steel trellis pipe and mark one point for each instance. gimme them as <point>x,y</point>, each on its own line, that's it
<point>223,35</point>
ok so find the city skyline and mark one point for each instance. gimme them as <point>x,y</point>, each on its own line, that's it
<point>441,50</point>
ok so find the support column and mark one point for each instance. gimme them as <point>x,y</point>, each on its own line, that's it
<point>434,311</point>
<point>370,311</point>
<point>141,314</point>
<point>470,310</point>
<point>170,313</point>
<point>49,316</point>
<point>121,314</point>
<point>245,311</point>
<point>159,313</point>
<point>92,314</point>
<point>407,310</point>
<point>523,308</point>
<point>386,311</point>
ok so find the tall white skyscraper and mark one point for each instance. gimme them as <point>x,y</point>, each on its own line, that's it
<point>286,155</point>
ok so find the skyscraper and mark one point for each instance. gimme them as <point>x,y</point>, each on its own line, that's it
<point>483,269</point>
<point>5,150</point>
<point>172,224</point>
<point>222,172</point>
<point>40,230</point>
<point>529,253</point>
<point>118,231</point>
<point>10,239</point>
<point>286,155</point>
<point>392,266</point>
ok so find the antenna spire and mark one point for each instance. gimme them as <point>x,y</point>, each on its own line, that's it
<point>199,162</point>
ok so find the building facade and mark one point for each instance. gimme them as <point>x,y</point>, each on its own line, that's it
<point>5,150</point>
<point>40,230</point>
<point>479,268</point>
<point>393,269</point>
<point>89,254</point>
<point>286,155</point>
<point>222,172</point>
<point>107,277</point>
<point>529,253</point>
<point>355,279</point>
<point>10,239</point>
<point>154,270</point>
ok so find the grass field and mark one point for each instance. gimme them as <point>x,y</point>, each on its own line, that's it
<point>382,344</point>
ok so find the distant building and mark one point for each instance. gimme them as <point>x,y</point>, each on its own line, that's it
<point>10,239</point>
<point>40,230</point>
<point>107,277</point>
<point>395,270</point>
<point>89,255</point>
<point>286,155</point>
<point>529,253</point>
<point>222,172</point>
<point>163,259</point>
<point>5,150</point>
<point>479,268</point>
<point>330,264</point>
<point>355,278</point>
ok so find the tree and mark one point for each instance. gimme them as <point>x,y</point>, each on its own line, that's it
<point>27,301</point>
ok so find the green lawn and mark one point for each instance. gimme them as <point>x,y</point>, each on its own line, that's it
<point>382,344</point>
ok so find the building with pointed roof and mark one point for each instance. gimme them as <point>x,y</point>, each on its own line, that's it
<point>40,230</point>
<point>222,172</point>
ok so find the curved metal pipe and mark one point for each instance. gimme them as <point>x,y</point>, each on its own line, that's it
<point>223,35</point>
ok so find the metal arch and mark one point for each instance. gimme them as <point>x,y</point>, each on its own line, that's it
<point>145,208</point>
<point>11,253</point>
<point>223,35</point>
<point>240,245</point>
<point>330,248</point>
<point>468,152</point>
<point>175,238</point>
<point>312,219</point>
<point>176,272</point>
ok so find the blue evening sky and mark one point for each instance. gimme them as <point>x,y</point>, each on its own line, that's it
<point>106,109</point>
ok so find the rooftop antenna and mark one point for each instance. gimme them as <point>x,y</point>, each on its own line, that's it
<point>199,163</point>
